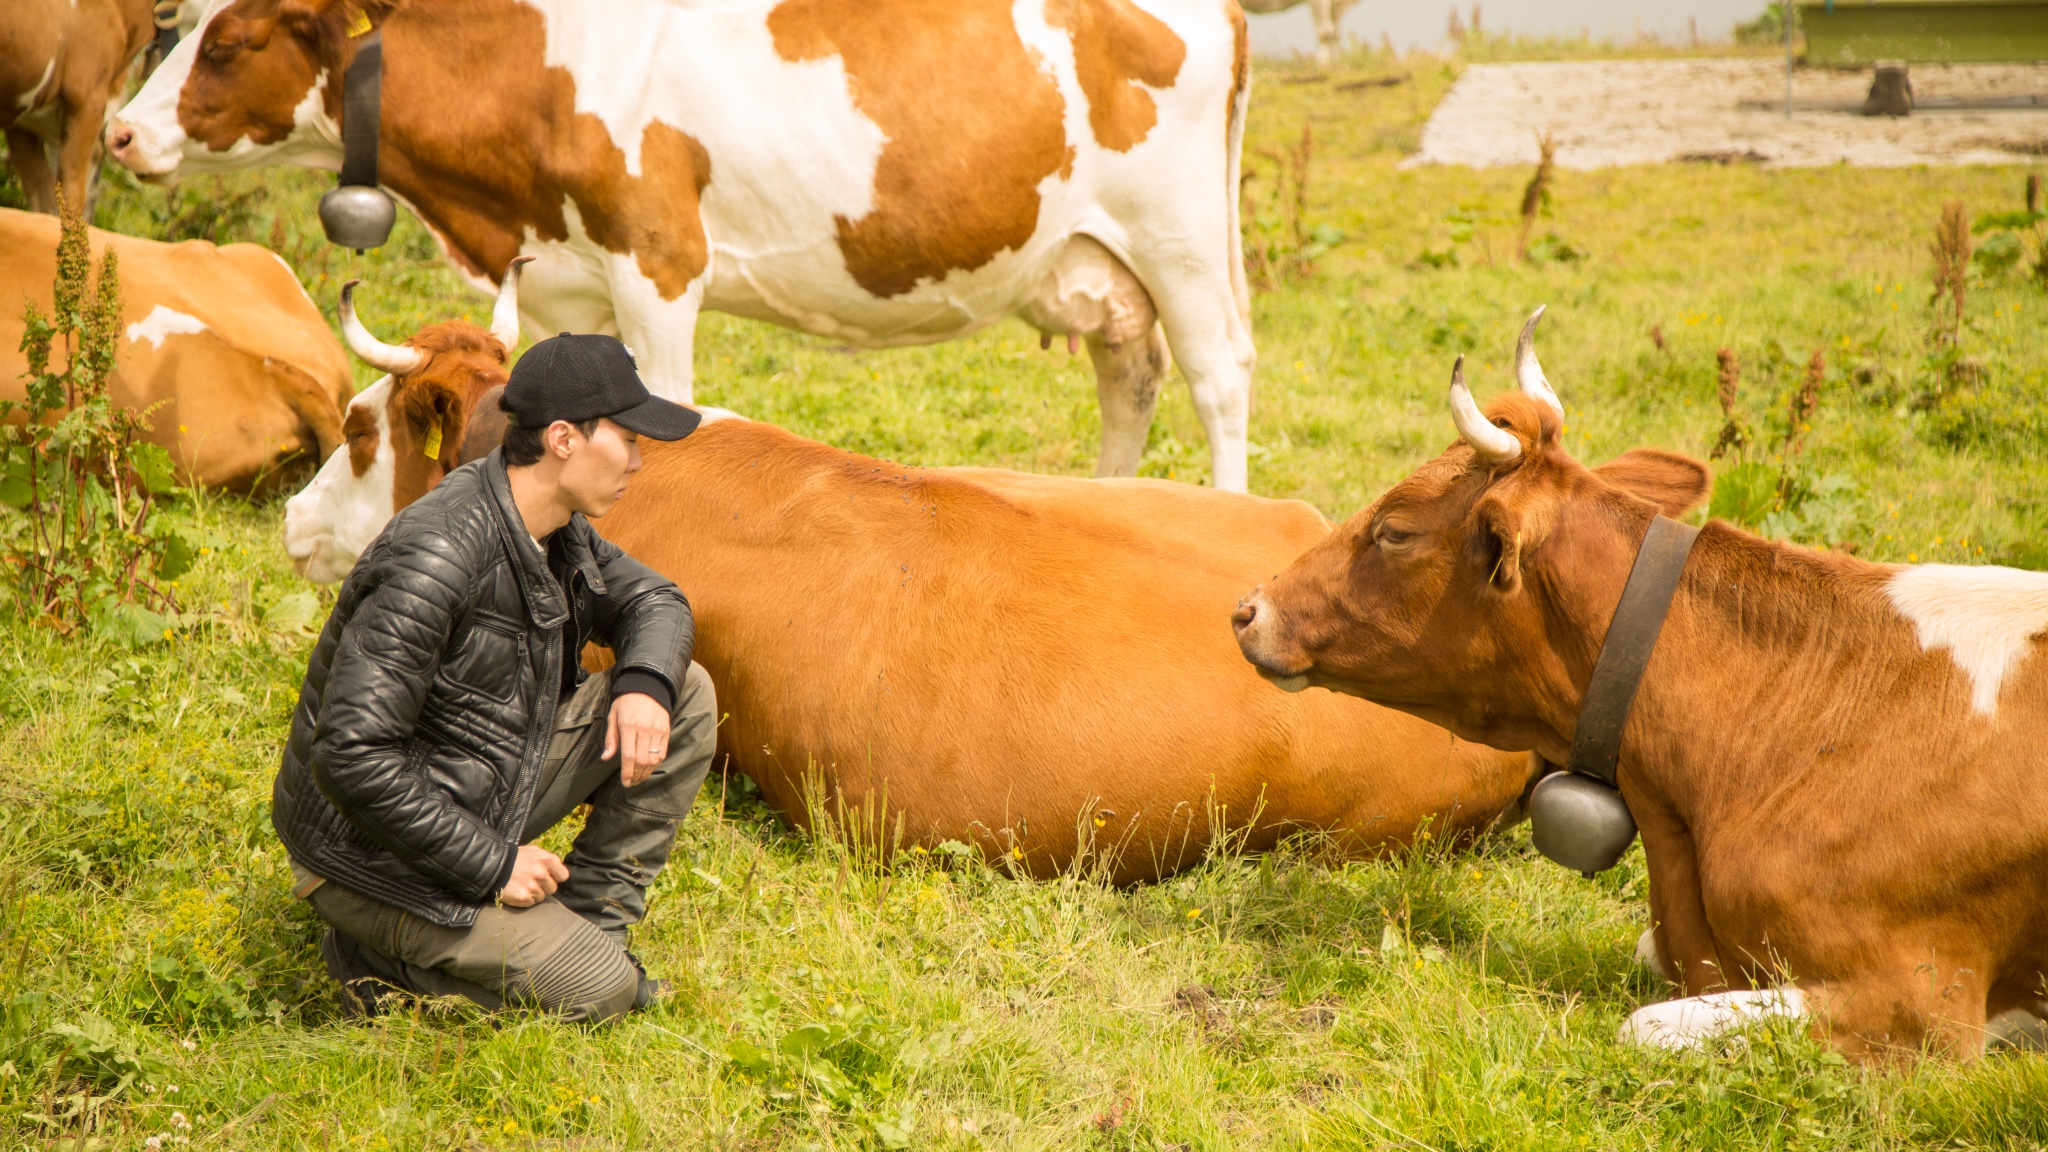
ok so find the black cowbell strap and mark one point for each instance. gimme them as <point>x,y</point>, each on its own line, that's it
<point>362,107</point>
<point>1631,637</point>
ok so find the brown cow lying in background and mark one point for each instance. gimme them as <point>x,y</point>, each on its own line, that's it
<point>239,370</point>
<point>1837,766</point>
<point>1037,664</point>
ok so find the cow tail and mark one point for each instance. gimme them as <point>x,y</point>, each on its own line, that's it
<point>1240,100</point>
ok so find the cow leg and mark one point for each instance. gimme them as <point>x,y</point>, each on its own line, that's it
<point>32,166</point>
<point>1681,936</point>
<point>1325,15</point>
<point>662,333</point>
<point>78,154</point>
<point>1931,999</point>
<point>1213,346</point>
<point>1127,379</point>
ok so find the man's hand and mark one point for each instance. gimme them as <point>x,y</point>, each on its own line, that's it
<point>534,877</point>
<point>638,734</point>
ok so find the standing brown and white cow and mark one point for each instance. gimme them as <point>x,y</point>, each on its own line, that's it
<point>1033,663</point>
<point>241,378</point>
<point>1836,766</point>
<point>62,62</point>
<point>882,172</point>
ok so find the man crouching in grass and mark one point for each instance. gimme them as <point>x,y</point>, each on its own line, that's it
<point>446,722</point>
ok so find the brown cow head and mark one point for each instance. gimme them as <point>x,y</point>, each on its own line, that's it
<point>1476,592</point>
<point>403,433</point>
<point>256,80</point>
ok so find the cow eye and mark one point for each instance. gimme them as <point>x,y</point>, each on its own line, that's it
<point>1390,536</point>
<point>218,51</point>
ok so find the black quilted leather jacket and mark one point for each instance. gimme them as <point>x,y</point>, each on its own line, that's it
<point>430,698</point>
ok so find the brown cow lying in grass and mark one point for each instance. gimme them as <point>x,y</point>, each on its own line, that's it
<point>1836,766</point>
<point>242,381</point>
<point>1037,664</point>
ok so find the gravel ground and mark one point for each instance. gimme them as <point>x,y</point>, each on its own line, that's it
<point>1606,113</point>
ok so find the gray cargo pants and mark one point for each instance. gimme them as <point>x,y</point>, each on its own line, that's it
<point>566,954</point>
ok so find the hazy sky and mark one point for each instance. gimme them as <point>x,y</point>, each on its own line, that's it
<point>1422,24</point>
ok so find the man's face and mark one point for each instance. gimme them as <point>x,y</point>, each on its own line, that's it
<point>594,475</point>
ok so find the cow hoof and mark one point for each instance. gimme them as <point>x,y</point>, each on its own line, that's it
<point>2017,1030</point>
<point>1692,1021</point>
<point>1647,954</point>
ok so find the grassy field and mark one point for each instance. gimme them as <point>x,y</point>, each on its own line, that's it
<point>155,974</point>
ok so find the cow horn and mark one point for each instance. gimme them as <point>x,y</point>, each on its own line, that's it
<point>1528,371</point>
<point>1495,445</point>
<point>505,314</point>
<point>396,359</point>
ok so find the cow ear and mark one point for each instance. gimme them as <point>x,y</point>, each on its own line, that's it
<point>486,428</point>
<point>1675,484</point>
<point>452,412</point>
<point>1500,541</point>
<point>435,414</point>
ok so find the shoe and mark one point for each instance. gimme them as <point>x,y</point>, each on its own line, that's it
<point>650,990</point>
<point>361,987</point>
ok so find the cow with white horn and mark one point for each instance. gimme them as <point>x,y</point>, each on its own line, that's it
<point>402,434</point>
<point>1835,766</point>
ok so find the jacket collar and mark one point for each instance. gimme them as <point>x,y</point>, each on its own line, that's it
<point>545,602</point>
<point>573,540</point>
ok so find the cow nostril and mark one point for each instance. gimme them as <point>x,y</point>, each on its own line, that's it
<point>119,137</point>
<point>1247,611</point>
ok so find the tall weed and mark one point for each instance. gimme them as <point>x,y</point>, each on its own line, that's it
<point>85,542</point>
<point>1772,489</point>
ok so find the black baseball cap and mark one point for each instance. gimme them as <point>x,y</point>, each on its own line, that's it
<point>577,378</point>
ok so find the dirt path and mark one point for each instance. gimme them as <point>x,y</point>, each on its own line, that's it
<point>1606,113</point>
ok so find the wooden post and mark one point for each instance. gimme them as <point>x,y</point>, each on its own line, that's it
<point>1785,14</point>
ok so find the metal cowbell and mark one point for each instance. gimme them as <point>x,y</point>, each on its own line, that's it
<point>1580,822</point>
<point>357,216</point>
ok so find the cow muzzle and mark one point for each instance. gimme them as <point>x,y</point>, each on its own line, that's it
<point>133,149</point>
<point>1252,621</point>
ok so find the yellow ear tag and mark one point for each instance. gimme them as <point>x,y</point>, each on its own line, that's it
<point>432,448</point>
<point>360,25</point>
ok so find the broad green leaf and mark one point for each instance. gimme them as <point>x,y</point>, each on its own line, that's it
<point>806,1041</point>
<point>1989,220</point>
<point>153,465</point>
<point>749,1057</point>
<point>1998,253</point>
<point>131,624</point>
<point>177,558</point>
<point>293,612</point>
<point>1744,494</point>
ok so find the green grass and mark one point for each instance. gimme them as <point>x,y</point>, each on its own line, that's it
<point>1438,1000</point>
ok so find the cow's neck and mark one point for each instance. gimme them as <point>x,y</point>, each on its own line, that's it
<point>469,131</point>
<point>1755,674</point>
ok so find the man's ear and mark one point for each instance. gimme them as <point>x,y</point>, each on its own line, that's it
<point>1675,484</point>
<point>558,435</point>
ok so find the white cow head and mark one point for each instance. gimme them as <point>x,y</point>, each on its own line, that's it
<point>402,434</point>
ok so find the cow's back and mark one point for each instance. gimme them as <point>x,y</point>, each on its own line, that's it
<point>238,361</point>
<point>1010,657</point>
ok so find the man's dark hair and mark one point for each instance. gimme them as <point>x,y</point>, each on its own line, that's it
<point>523,446</point>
